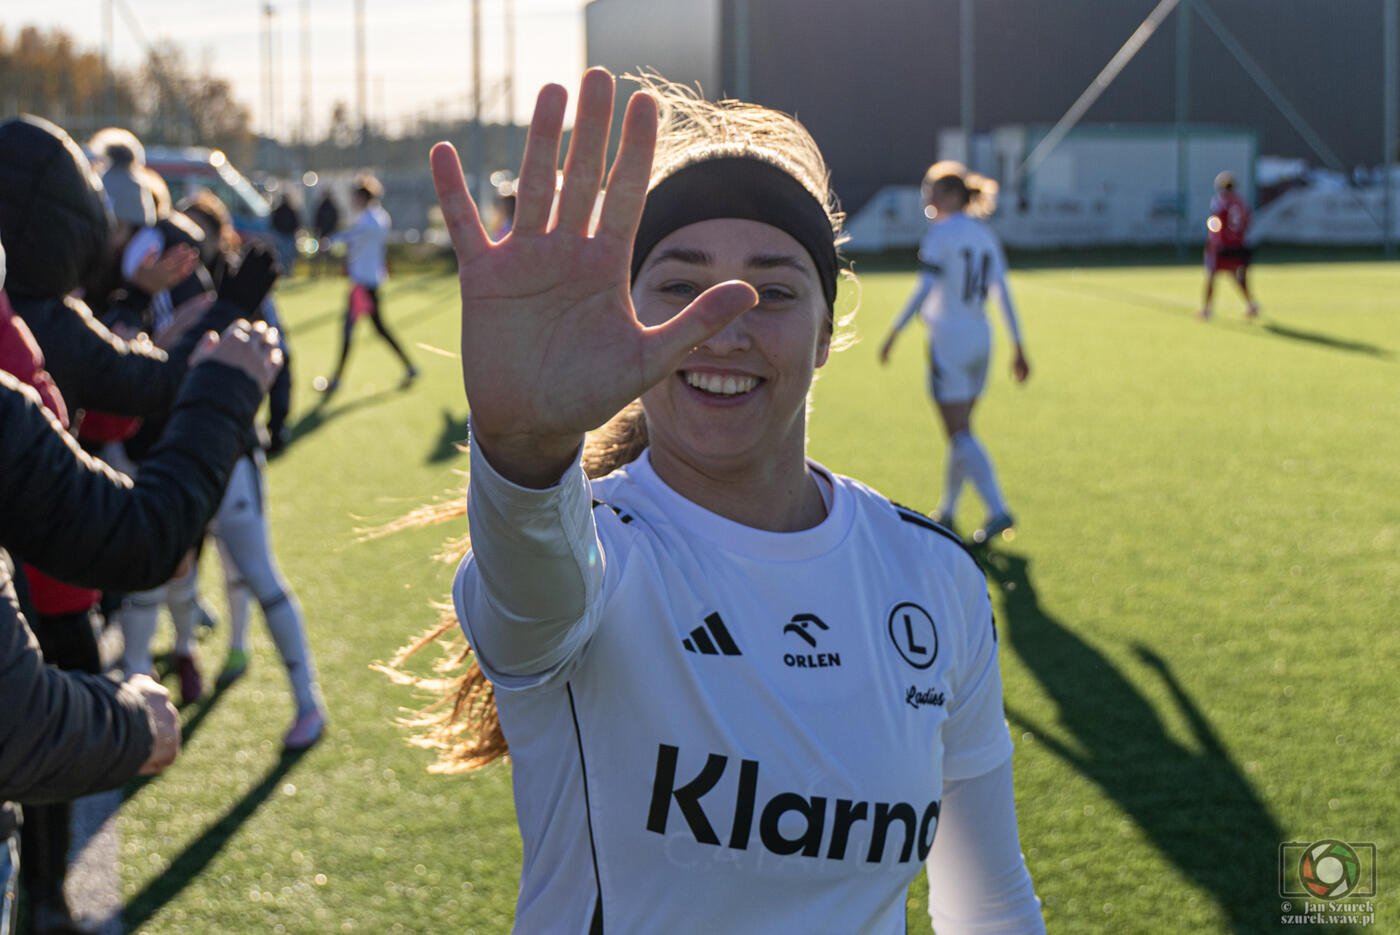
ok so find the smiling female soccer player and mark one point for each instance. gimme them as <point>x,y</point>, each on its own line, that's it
<point>741,692</point>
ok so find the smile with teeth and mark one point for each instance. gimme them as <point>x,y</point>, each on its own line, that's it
<point>721,384</point>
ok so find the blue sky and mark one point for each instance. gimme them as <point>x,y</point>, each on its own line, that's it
<point>418,52</point>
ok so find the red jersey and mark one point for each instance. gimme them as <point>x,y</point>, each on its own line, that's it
<point>1229,220</point>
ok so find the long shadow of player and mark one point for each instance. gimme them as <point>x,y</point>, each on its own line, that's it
<point>1326,340</point>
<point>196,857</point>
<point>1192,802</point>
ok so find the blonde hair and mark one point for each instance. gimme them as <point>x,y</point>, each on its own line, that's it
<point>462,723</point>
<point>977,193</point>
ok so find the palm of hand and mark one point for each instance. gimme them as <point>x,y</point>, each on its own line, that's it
<point>550,343</point>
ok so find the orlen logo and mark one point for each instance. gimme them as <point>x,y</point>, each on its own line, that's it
<point>825,822</point>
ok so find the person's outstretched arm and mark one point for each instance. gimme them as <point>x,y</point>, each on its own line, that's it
<point>551,348</point>
<point>978,883</point>
<point>73,517</point>
<point>67,734</point>
<point>927,280</point>
<point>1020,367</point>
<point>95,369</point>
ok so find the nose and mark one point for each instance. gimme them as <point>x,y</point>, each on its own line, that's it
<point>732,338</point>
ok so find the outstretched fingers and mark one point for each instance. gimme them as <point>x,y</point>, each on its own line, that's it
<point>458,210</point>
<point>666,345</point>
<point>631,170</point>
<point>534,190</point>
<point>588,145</point>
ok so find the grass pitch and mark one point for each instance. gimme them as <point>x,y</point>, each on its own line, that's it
<point>1197,612</point>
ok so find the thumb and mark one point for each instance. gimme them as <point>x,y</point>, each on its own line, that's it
<point>205,348</point>
<point>711,311</point>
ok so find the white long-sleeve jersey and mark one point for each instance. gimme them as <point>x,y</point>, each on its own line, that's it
<point>720,729</point>
<point>961,261</point>
<point>366,241</point>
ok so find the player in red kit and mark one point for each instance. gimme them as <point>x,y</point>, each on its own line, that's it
<point>1225,248</point>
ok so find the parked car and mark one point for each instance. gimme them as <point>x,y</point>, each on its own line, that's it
<point>188,169</point>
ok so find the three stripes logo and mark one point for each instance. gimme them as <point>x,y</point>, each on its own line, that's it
<point>711,639</point>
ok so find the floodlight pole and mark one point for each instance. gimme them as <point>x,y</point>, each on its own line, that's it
<point>1183,114</point>
<point>360,91</point>
<point>109,62</point>
<point>269,81</point>
<point>510,63</point>
<point>475,148</point>
<point>305,81</point>
<point>1391,74</point>
<point>966,78</point>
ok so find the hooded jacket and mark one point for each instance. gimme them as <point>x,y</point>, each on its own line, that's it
<point>54,226</point>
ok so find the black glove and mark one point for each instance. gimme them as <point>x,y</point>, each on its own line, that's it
<point>247,286</point>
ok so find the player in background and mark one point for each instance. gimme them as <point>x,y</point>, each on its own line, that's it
<point>714,666</point>
<point>1226,229</point>
<point>960,261</point>
<point>366,241</point>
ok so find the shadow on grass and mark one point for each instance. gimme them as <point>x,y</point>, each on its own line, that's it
<point>192,861</point>
<point>326,410</point>
<point>1193,803</point>
<point>1327,340</point>
<point>202,709</point>
<point>450,440</point>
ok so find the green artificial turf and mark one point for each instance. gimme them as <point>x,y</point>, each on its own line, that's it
<point>1197,612</point>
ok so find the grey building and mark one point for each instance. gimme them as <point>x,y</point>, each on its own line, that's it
<point>875,80</point>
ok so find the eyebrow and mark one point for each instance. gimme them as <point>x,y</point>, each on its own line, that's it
<point>701,258</point>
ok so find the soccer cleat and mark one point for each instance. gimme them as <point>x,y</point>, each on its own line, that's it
<point>191,682</point>
<point>409,376</point>
<point>1252,310</point>
<point>235,667</point>
<point>994,527</point>
<point>305,730</point>
<point>943,519</point>
<point>1204,314</point>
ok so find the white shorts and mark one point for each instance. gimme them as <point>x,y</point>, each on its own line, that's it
<point>957,360</point>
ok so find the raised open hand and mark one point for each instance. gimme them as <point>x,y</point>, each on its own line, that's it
<point>551,345</point>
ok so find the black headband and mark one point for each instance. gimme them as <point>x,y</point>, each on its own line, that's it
<point>739,187</point>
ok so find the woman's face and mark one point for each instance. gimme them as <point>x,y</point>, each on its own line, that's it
<point>739,399</point>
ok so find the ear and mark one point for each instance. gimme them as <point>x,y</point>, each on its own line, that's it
<point>823,345</point>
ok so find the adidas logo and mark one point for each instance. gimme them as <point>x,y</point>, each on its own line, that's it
<point>700,640</point>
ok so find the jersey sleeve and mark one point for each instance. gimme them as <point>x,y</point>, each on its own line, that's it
<point>527,593</point>
<point>1003,293</point>
<point>975,737</point>
<point>977,879</point>
<point>916,301</point>
<point>930,256</point>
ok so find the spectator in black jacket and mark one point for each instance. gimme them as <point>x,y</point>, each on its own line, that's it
<point>55,228</point>
<point>327,223</point>
<point>67,734</point>
<point>285,223</point>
